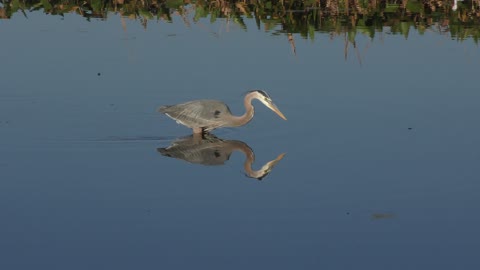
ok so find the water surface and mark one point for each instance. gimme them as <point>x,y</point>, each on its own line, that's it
<point>380,171</point>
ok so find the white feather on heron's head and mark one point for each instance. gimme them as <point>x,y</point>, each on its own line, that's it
<point>259,94</point>
<point>263,97</point>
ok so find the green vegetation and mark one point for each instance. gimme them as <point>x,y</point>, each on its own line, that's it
<point>282,17</point>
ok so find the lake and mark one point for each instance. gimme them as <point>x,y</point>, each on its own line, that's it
<point>377,166</point>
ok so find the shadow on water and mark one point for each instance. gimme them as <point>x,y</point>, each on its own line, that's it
<point>207,149</point>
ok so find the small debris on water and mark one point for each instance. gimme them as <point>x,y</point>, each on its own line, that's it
<point>98,74</point>
<point>382,215</point>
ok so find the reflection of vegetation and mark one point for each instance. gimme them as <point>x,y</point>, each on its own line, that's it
<point>338,17</point>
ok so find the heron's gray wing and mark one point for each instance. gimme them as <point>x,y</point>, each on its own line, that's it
<point>206,152</point>
<point>199,113</point>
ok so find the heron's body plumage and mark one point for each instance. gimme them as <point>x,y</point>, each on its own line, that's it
<point>206,114</point>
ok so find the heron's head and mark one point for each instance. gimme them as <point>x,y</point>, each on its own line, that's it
<point>267,101</point>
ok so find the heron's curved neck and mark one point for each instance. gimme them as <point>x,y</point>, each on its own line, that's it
<point>249,112</point>
<point>249,156</point>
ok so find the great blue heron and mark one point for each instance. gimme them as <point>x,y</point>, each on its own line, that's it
<point>206,115</point>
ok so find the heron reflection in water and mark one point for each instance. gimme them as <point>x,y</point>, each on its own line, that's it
<point>206,115</point>
<point>207,149</point>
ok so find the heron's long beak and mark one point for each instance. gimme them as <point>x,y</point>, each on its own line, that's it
<point>274,108</point>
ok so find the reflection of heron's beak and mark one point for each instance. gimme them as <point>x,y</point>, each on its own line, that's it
<point>275,161</point>
<point>266,169</point>
<point>274,108</point>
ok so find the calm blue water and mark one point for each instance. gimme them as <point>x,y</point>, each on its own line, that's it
<point>382,154</point>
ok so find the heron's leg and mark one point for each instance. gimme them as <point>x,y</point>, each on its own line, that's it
<point>198,130</point>
<point>197,137</point>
